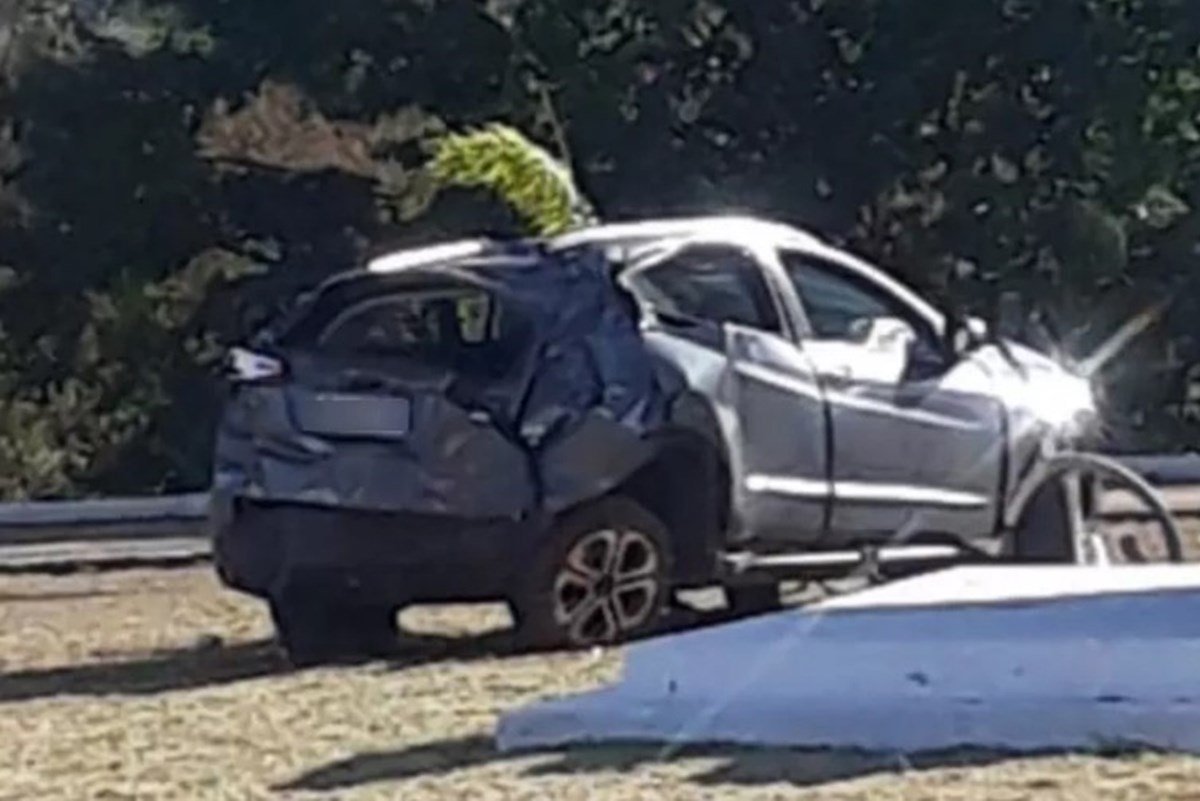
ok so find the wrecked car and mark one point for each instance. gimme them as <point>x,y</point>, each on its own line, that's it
<point>584,425</point>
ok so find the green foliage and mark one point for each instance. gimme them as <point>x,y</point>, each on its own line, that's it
<point>142,29</point>
<point>526,177</point>
<point>93,423</point>
<point>152,152</point>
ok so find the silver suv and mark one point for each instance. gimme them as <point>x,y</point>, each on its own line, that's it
<point>585,425</point>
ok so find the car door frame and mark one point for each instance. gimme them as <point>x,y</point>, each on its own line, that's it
<point>768,504</point>
<point>915,509</point>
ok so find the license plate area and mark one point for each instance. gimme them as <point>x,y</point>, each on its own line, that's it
<point>336,414</point>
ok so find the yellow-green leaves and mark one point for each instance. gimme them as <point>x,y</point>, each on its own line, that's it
<point>500,159</point>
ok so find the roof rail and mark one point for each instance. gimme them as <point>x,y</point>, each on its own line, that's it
<point>416,257</point>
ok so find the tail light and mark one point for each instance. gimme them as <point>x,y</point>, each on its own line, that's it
<point>245,366</point>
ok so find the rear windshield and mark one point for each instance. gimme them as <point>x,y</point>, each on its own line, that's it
<point>459,328</point>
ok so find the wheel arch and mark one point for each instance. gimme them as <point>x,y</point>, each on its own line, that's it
<point>681,474</point>
<point>686,484</point>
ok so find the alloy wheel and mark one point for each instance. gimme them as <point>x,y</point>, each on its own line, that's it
<point>608,586</point>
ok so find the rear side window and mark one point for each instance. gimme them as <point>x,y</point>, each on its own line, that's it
<point>720,284</point>
<point>462,329</point>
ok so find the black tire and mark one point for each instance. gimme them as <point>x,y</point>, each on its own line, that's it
<point>602,577</point>
<point>753,599</point>
<point>1043,534</point>
<point>315,630</point>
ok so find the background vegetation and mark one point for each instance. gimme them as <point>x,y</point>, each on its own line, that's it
<point>166,165</point>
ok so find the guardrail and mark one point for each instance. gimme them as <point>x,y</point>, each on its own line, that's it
<point>59,533</point>
<point>103,519</point>
<point>1172,469</point>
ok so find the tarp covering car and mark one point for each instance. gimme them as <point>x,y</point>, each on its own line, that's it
<point>493,386</point>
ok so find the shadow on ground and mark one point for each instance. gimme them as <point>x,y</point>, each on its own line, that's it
<point>211,662</point>
<point>159,671</point>
<point>733,765</point>
<point>430,759</point>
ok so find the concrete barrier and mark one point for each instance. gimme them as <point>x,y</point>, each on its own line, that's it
<point>1023,658</point>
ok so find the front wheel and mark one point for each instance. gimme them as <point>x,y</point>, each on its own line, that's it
<point>1070,495</point>
<point>601,578</point>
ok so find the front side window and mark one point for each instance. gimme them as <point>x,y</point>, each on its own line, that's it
<point>718,284</point>
<point>841,305</point>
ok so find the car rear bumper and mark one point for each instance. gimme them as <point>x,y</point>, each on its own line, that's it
<point>265,549</point>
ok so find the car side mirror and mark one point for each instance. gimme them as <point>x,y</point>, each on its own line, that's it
<point>887,334</point>
<point>963,334</point>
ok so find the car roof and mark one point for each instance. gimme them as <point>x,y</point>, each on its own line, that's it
<point>729,228</point>
<point>623,240</point>
<point>737,229</point>
<point>409,258</point>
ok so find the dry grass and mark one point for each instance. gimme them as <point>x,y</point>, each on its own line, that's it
<point>158,684</point>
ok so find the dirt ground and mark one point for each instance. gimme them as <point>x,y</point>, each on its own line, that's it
<point>159,684</point>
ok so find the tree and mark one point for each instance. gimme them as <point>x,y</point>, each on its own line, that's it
<point>1045,145</point>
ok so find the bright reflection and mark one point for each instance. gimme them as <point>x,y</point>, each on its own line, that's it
<point>417,257</point>
<point>1060,394</point>
<point>1122,337</point>
<point>1061,400</point>
<point>1052,395</point>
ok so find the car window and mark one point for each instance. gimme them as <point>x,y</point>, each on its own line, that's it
<point>460,329</point>
<point>840,305</point>
<point>708,283</point>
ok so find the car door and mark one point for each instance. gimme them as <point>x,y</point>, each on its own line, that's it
<point>917,444</point>
<point>767,391</point>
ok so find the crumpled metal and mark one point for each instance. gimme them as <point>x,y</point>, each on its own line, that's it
<point>578,420</point>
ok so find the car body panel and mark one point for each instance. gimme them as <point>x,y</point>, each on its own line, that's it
<point>824,443</point>
<point>859,423</point>
<point>783,483</point>
<point>380,434</point>
<point>915,456</point>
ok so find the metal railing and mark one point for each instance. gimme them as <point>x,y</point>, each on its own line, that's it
<point>64,534</point>
<point>103,519</point>
<point>49,533</point>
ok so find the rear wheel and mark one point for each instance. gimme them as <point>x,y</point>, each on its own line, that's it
<point>315,630</point>
<point>603,577</point>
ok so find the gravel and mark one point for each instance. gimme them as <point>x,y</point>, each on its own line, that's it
<point>160,684</point>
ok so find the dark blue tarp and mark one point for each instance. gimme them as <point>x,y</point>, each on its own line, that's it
<point>569,421</point>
